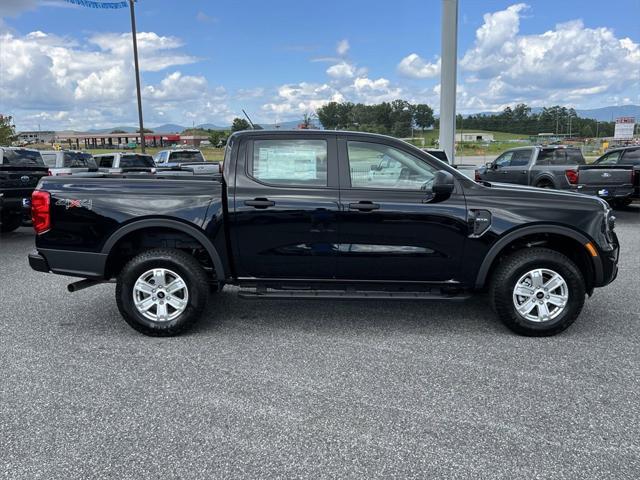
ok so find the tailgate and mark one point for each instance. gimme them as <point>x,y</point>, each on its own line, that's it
<point>19,182</point>
<point>593,175</point>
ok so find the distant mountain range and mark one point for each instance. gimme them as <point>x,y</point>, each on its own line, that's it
<point>175,128</point>
<point>604,114</point>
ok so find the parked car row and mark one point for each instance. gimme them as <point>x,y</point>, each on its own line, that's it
<point>21,169</point>
<point>614,177</point>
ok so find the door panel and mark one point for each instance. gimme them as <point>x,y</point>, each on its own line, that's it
<point>284,222</point>
<point>399,235</point>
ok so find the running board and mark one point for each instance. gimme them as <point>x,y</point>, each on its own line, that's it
<point>279,294</point>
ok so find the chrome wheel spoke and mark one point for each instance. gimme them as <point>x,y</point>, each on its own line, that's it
<point>524,291</point>
<point>554,283</point>
<point>145,304</point>
<point>527,306</point>
<point>161,311</point>
<point>175,286</point>
<point>159,277</point>
<point>557,300</point>
<point>144,287</point>
<point>543,311</point>
<point>536,278</point>
<point>176,303</point>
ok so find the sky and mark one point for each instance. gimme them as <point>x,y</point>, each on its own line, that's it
<point>70,67</point>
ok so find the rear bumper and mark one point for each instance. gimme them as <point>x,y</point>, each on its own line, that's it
<point>69,262</point>
<point>606,192</point>
<point>38,263</point>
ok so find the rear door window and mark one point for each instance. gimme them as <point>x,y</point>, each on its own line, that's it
<point>574,157</point>
<point>22,158</point>
<point>521,158</point>
<point>105,162</point>
<point>609,159</point>
<point>631,157</point>
<point>290,162</point>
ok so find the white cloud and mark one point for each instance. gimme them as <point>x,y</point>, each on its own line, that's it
<point>414,66</point>
<point>570,63</point>
<point>343,47</point>
<point>342,70</point>
<point>54,80</point>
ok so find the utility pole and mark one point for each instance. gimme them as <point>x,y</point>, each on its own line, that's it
<point>448,77</point>
<point>137,66</point>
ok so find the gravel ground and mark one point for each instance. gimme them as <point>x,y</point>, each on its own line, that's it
<point>306,389</point>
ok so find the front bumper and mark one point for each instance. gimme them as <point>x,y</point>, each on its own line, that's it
<point>609,261</point>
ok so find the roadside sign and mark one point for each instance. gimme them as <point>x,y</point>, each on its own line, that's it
<point>625,126</point>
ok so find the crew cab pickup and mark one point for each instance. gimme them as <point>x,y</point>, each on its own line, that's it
<point>614,176</point>
<point>20,171</point>
<point>123,162</point>
<point>559,167</point>
<point>298,215</point>
<point>69,162</point>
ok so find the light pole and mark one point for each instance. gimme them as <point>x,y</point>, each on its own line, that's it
<point>137,67</point>
<point>448,74</point>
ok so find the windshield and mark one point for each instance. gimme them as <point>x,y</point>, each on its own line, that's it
<point>137,161</point>
<point>188,156</point>
<point>22,158</point>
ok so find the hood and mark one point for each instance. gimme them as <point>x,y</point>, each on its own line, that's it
<point>549,194</point>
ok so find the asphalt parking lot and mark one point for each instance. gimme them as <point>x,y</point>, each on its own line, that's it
<point>310,389</point>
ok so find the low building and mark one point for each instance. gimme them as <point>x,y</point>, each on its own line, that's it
<point>44,136</point>
<point>474,137</point>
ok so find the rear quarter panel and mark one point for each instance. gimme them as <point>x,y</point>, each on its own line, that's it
<point>86,212</point>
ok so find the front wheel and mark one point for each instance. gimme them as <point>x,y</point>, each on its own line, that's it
<point>162,292</point>
<point>537,292</point>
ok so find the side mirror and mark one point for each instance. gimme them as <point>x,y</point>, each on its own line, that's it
<point>442,186</point>
<point>490,165</point>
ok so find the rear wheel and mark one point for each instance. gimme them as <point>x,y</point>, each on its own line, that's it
<point>162,292</point>
<point>10,223</point>
<point>621,203</point>
<point>537,292</point>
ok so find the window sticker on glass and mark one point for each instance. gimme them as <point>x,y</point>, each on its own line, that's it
<point>290,162</point>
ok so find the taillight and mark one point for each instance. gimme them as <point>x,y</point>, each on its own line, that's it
<point>40,211</point>
<point>572,176</point>
<point>49,173</point>
<point>477,176</point>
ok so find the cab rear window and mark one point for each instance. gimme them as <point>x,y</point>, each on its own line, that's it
<point>22,158</point>
<point>137,161</point>
<point>186,157</point>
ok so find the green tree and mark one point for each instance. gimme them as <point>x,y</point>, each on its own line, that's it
<point>146,130</point>
<point>423,116</point>
<point>217,137</point>
<point>7,130</point>
<point>118,131</point>
<point>240,124</point>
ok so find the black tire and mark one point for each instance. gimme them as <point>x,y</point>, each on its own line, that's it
<point>181,263</point>
<point>545,184</point>
<point>622,203</point>
<point>513,267</point>
<point>10,223</point>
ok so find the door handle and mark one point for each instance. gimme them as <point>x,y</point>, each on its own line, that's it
<point>259,203</point>
<point>364,206</point>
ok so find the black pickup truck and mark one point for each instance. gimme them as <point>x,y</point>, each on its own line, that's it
<point>20,171</point>
<point>300,215</point>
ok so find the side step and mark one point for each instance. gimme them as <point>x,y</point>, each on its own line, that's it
<point>279,294</point>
